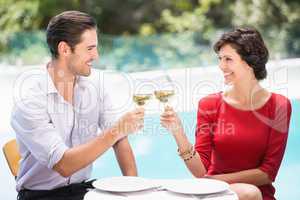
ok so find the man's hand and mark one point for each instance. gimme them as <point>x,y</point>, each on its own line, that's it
<point>131,122</point>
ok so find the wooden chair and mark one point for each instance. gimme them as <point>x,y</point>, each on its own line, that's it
<point>12,155</point>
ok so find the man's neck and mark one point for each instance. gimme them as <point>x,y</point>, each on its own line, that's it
<point>63,79</point>
<point>60,72</point>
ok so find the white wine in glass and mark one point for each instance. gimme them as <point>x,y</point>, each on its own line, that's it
<point>140,99</point>
<point>164,95</point>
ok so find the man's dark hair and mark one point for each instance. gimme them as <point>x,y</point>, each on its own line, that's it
<point>68,27</point>
<point>250,46</point>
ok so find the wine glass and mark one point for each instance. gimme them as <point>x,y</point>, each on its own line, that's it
<point>165,89</point>
<point>142,92</point>
<point>140,98</point>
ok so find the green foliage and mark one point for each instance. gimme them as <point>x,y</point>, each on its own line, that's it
<point>278,20</point>
<point>206,18</point>
<point>166,32</point>
<point>293,43</point>
<point>16,16</point>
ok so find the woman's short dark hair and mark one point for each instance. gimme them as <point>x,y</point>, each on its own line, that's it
<point>250,46</point>
<point>68,27</point>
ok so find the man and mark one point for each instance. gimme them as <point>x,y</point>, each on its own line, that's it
<point>58,123</point>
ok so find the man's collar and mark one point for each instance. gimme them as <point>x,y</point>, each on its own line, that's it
<point>50,87</point>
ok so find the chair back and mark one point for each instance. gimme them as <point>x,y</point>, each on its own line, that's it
<point>12,155</point>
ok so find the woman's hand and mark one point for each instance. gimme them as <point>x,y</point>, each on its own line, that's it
<point>170,120</point>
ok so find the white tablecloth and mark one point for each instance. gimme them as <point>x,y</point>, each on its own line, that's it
<point>156,194</point>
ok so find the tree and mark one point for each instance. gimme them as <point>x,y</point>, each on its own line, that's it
<point>17,16</point>
<point>278,20</point>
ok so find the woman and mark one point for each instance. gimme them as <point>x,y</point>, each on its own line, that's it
<point>241,133</point>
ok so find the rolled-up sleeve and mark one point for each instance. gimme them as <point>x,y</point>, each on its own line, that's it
<point>34,129</point>
<point>277,139</point>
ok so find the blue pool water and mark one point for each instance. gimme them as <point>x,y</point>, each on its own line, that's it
<point>156,155</point>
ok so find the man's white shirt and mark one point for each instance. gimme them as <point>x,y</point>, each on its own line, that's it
<point>46,126</point>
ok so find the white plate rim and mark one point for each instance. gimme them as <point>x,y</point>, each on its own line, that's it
<point>151,185</point>
<point>201,192</point>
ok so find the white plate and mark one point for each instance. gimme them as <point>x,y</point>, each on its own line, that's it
<point>198,186</point>
<point>124,184</point>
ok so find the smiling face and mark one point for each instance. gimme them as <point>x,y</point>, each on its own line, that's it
<point>79,62</point>
<point>234,68</point>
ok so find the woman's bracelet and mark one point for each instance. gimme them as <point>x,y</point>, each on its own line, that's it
<point>190,157</point>
<point>183,153</point>
<point>187,155</point>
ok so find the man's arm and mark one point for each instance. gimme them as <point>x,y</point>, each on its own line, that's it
<point>125,157</point>
<point>81,156</point>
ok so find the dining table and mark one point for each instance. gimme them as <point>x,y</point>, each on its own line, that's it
<point>160,189</point>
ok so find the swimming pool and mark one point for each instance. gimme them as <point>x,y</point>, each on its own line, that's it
<point>156,155</point>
